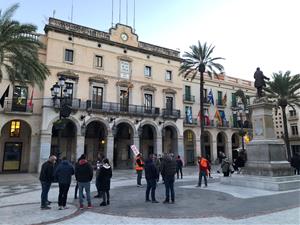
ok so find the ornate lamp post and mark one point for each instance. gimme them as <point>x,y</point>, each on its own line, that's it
<point>61,92</point>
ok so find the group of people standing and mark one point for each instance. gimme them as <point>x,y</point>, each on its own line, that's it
<point>166,166</point>
<point>62,173</point>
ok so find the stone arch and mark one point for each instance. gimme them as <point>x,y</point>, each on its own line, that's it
<point>72,118</point>
<point>101,120</point>
<point>16,151</point>
<point>222,145</point>
<point>152,123</point>
<point>129,122</point>
<point>190,154</point>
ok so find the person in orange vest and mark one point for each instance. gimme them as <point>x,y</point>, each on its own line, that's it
<point>139,167</point>
<point>203,169</point>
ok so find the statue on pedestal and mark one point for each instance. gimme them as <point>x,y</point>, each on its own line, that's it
<point>259,82</point>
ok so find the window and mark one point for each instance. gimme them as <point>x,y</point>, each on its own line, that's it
<point>189,136</point>
<point>233,99</point>
<point>168,75</point>
<point>148,102</point>
<point>205,95</point>
<point>294,129</point>
<point>20,96</point>
<point>98,61</point>
<point>124,69</point>
<point>97,97</point>
<point>69,55</point>
<point>188,114</point>
<point>220,98</point>
<point>169,103</point>
<point>124,100</point>
<point>15,128</point>
<point>292,112</point>
<point>147,71</point>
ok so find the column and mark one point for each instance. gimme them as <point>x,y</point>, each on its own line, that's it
<point>229,150</point>
<point>198,148</point>
<point>45,149</point>
<point>136,142</point>
<point>159,145</point>
<point>110,149</point>
<point>214,149</point>
<point>180,148</point>
<point>80,146</point>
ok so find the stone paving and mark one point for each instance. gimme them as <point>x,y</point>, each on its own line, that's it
<point>217,204</point>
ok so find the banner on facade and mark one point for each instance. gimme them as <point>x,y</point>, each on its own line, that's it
<point>135,150</point>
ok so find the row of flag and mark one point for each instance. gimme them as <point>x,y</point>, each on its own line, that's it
<point>5,95</point>
<point>220,116</point>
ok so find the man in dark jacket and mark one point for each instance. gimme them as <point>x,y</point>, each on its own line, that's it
<point>151,174</point>
<point>84,175</point>
<point>168,171</point>
<point>63,175</point>
<point>46,178</point>
<point>259,81</point>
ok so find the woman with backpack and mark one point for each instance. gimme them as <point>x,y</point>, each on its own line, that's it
<point>203,170</point>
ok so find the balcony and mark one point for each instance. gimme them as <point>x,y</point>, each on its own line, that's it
<point>209,124</point>
<point>75,103</point>
<point>18,107</point>
<point>192,123</point>
<point>188,98</point>
<point>122,109</point>
<point>293,117</point>
<point>171,114</point>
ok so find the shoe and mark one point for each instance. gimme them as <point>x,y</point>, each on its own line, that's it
<point>45,207</point>
<point>96,196</point>
<point>155,201</point>
<point>172,202</point>
<point>107,203</point>
<point>81,207</point>
<point>139,185</point>
<point>48,203</point>
<point>166,201</point>
<point>60,208</point>
<point>147,200</point>
<point>198,186</point>
<point>205,186</point>
<point>90,206</point>
<point>103,204</point>
<point>66,207</point>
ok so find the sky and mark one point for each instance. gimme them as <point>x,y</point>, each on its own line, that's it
<point>247,33</point>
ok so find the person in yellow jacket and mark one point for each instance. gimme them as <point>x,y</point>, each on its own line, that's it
<point>139,167</point>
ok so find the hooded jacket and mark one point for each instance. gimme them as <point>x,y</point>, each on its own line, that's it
<point>104,176</point>
<point>83,171</point>
<point>64,172</point>
<point>151,172</point>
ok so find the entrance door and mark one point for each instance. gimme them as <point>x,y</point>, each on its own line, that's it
<point>190,156</point>
<point>12,156</point>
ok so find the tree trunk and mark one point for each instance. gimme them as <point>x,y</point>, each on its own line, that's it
<point>286,133</point>
<point>201,116</point>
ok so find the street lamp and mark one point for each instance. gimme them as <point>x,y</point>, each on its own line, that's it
<point>241,110</point>
<point>60,92</point>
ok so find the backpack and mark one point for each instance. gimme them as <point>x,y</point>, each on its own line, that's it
<point>203,163</point>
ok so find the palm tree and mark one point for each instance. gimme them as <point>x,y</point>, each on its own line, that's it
<point>19,51</point>
<point>284,89</point>
<point>199,60</point>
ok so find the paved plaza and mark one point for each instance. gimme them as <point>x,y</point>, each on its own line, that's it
<point>216,204</point>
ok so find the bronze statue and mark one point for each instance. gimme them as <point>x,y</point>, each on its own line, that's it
<point>259,81</point>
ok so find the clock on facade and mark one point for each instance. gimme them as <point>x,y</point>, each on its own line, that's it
<point>124,36</point>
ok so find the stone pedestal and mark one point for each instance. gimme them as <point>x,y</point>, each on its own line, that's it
<point>266,155</point>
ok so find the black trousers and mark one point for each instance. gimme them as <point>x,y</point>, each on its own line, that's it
<point>151,185</point>
<point>105,196</point>
<point>63,194</point>
<point>179,169</point>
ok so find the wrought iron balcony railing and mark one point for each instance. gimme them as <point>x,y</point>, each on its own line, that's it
<point>18,106</point>
<point>171,113</point>
<point>75,103</point>
<point>188,122</point>
<point>188,98</point>
<point>119,108</point>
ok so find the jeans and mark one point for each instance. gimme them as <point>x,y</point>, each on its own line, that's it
<point>202,174</point>
<point>169,185</point>
<point>63,194</point>
<point>87,187</point>
<point>139,177</point>
<point>44,196</point>
<point>179,169</point>
<point>151,185</point>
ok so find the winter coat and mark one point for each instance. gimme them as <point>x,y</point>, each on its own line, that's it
<point>104,176</point>
<point>168,168</point>
<point>47,172</point>
<point>259,79</point>
<point>64,172</point>
<point>151,172</point>
<point>83,171</point>
<point>295,162</point>
<point>179,163</point>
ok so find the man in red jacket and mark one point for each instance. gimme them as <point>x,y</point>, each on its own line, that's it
<point>203,168</point>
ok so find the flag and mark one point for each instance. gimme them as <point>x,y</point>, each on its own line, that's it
<point>224,100</point>
<point>5,94</point>
<point>206,117</point>
<point>218,116</point>
<point>199,116</point>
<point>210,97</point>
<point>31,98</point>
<point>189,115</point>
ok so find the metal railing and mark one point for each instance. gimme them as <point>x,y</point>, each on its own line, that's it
<point>22,106</point>
<point>189,98</point>
<point>119,108</point>
<point>171,113</point>
<point>75,103</point>
<point>193,122</point>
